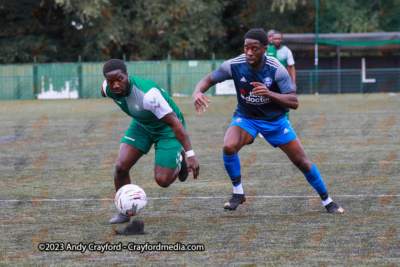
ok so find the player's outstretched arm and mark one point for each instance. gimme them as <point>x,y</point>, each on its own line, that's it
<point>181,134</point>
<point>199,97</point>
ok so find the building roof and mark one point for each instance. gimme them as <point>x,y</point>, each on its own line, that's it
<point>346,41</point>
<point>345,38</point>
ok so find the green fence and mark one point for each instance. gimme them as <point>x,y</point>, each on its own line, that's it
<point>347,81</point>
<point>178,78</point>
<point>16,82</point>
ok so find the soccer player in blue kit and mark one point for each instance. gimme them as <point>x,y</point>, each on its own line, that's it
<point>265,93</point>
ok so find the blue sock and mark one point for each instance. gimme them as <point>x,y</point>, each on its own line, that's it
<point>315,180</point>
<point>232,166</point>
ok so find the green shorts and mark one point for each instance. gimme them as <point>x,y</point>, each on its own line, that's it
<point>168,149</point>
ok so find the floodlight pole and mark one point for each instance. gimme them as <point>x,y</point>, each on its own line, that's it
<point>316,46</point>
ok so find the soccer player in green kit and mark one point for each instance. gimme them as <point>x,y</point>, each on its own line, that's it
<point>156,120</point>
<point>283,55</point>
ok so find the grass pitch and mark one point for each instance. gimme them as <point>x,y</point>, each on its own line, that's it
<point>56,185</point>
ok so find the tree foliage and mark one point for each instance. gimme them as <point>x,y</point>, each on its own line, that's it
<point>62,30</point>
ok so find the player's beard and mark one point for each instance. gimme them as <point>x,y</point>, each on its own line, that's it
<point>125,91</point>
<point>127,87</point>
<point>278,46</point>
<point>255,64</point>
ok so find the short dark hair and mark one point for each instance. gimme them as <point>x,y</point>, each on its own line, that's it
<point>257,34</point>
<point>114,64</point>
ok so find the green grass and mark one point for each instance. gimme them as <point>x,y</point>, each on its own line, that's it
<point>68,149</point>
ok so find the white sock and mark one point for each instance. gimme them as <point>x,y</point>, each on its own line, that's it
<point>238,189</point>
<point>326,201</point>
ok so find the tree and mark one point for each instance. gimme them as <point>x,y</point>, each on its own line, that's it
<point>61,30</point>
<point>27,30</point>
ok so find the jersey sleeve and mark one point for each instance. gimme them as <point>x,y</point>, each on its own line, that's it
<point>107,91</point>
<point>290,59</point>
<point>156,103</point>
<point>105,87</point>
<point>283,80</point>
<point>223,72</point>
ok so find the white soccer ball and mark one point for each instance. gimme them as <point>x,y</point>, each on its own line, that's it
<point>130,199</point>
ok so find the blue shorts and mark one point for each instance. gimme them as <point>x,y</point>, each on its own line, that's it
<point>276,133</point>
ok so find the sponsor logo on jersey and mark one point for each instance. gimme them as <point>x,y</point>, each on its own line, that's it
<point>243,80</point>
<point>255,99</point>
<point>285,131</point>
<point>267,81</point>
<point>242,91</point>
<point>238,120</point>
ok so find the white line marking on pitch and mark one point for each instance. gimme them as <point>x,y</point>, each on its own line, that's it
<point>166,198</point>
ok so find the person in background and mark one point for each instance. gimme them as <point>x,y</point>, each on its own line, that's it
<point>283,55</point>
<point>271,37</point>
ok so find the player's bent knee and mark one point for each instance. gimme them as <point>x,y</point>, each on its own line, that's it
<point>303,164</point>
<point>121,171</point>
<point>229,149</point>
<point>163,181</point>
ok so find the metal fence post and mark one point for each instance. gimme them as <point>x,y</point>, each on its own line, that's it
<point>18,89</point>
<point>338,68</point>
<point>169,73</point>
<point>80,82</point>
<point>361,83</point>
<point>35,78</point>
<point>213,67</point>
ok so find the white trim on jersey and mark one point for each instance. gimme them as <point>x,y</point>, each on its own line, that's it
<point>238,62</point>
<point>105,87</point>
<point>272,62</point>
<point>239,59</point>
<point>156,103</point>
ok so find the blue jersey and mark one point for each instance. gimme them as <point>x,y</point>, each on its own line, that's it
<point>273,74</point>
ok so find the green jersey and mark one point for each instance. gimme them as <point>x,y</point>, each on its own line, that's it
<point>283,55</point>
<point>146,103</point>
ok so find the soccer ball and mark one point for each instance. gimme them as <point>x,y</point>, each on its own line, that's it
<point>130,199</point>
